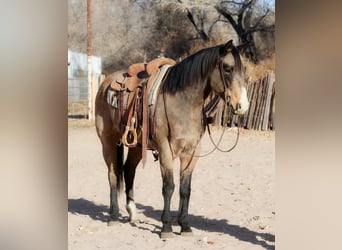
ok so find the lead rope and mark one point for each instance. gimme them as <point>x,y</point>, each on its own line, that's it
<point>216,145</point>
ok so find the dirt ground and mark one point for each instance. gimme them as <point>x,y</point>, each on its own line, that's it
<point>232,204</point>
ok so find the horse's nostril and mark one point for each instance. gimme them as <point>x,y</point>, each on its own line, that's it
<point>238,106</point>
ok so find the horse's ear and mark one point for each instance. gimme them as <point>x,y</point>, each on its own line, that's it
<point>226,48</point>
<point>242,47</point>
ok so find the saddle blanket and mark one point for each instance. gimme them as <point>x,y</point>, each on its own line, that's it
<point>112,97</point>
<point>152,96</point>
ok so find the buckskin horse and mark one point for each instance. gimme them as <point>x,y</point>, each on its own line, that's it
<point>176,126</point>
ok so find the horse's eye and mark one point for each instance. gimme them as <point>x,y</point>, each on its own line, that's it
<point>228,69</point>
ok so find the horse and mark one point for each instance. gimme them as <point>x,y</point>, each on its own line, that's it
<point>178,125</point>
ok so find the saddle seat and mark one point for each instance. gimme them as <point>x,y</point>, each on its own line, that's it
<point>138,72</point>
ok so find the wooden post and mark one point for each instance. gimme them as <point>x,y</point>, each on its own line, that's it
<point>254,104</point>
<point>270,80</point>
<point>94,84</point>
<point>262,103</point>
<point>89,54</point>
<point>245,117</point>
<point>272,106</point>
<point>251,105</point>
<point>259,110</point>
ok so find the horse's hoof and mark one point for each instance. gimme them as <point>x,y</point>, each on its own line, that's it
<point>113,223</point>
<point>187,233</point>
<point>166,235</point>
<point>134,221</point>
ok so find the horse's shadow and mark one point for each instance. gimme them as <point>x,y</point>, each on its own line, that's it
<point>100,212</point>
<point>85,207</point>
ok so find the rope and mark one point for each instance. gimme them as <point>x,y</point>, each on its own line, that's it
<point>216,145</point>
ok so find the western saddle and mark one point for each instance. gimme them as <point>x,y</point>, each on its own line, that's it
<point>128,92</point>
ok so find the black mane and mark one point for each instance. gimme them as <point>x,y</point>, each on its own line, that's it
<point>196,68</point>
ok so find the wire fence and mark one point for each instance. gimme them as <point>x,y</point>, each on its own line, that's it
<point>78,97</point>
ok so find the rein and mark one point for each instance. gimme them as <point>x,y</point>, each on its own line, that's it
<point>216,145</point>
<point>212,106</point>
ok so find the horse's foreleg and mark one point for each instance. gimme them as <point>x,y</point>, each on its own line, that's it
<point>133,158</point>
<point>187,166</point>
<point>111,153</point>
<point>166,167</point>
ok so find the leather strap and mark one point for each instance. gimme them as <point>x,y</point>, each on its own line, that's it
<point>131,127</point>
<point>145,125</point>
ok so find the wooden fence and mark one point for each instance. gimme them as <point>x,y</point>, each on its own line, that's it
<point>260,115</point>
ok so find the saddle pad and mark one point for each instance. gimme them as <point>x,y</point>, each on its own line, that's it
<point>152,95</point>
<point>112,98</point>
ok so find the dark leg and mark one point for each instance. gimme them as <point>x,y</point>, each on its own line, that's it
<point>168,188</point>
<point>184,192</point>
<point>187,165</point>
<point>110,154</point>
<point>166,167</point>
<point>133,158</point>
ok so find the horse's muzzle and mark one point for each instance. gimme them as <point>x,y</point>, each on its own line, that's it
<point>243,105</point>
<point>241,109</point>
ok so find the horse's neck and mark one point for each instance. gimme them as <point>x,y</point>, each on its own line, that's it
<point>193,98</point>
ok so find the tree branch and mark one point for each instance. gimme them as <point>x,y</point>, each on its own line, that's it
<point>245,6</point>
<point>267,28</point>
<point>260,19</point>
<point>233,2</point>
<point>200,32</point>
<point>218,19</point>
<point>228,16</point>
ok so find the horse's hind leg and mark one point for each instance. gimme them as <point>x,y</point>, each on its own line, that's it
<point>187,166</point>
<point>113,154</point>
<point>133,158</point>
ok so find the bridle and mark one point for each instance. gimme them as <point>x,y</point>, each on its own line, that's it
<point>227,99</point>
<point>224,81</point>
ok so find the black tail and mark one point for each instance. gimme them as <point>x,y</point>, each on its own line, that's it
<point>119,164</point>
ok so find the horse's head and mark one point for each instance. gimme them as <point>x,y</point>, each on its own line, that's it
<point>229,78</point>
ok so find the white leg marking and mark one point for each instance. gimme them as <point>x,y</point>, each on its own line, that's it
<point>132,210</point>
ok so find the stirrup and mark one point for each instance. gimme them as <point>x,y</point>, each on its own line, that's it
<point>130,130</point>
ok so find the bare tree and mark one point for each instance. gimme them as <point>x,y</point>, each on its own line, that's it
<point>248,17</point>
<point>197,15</point>
<point>126,32</point>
